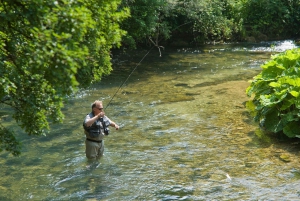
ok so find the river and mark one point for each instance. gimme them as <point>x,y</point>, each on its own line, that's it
<point>185,135</point>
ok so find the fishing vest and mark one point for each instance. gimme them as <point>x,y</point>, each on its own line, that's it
<point>95,129</point>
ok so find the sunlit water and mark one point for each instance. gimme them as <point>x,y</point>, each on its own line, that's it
<point>185,135</point>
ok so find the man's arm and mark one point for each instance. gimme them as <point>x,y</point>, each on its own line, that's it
<point>113,124</point>
<point>90,121</point>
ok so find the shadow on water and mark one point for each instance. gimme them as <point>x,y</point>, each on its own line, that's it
<point>185,135</point>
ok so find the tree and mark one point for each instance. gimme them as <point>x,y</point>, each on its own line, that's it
<point>156,21</point>
<point>149,22</point>
<point>213,20</point>
<point>48,50</point>
<point>274,18</point>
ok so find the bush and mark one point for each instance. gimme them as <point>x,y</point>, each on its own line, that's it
<point>276,95</point>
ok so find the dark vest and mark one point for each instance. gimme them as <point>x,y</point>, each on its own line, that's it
<point>95,129</point>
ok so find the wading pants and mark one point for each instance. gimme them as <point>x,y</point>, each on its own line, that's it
<point>94,150</point>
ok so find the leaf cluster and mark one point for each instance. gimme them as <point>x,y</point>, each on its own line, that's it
<point>149,21</point>
<point>214,19</point>
<point>276,94</point>
<point>202,21</point>
<point>271,17</point>
<point>48,49</point>
<point>153,21</point>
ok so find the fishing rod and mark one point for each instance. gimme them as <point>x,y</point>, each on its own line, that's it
<point>155,45</point>
<point>128,77</point>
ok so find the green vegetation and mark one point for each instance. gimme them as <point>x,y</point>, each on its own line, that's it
<point>48,50</point>
<point>147,23</point>
<point>203,21</point>
<point>213,20</point>
<point>276,94</point>
<point>51,48</point>
<point>271,18</point>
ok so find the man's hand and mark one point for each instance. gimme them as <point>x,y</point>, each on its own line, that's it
<point>101,114</point>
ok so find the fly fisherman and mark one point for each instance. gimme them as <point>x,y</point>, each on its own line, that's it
<point>95,128</point>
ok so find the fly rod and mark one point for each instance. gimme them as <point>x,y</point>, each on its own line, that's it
<point>155,45</point>
<point>128,77</point>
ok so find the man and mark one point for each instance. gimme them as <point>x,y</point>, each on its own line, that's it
<point>95,128</point>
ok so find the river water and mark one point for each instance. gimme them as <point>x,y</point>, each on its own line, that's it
<point>185,135</point>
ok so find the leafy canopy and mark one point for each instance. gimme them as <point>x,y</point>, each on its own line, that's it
<point>149,21</point>
<point>276,94</point>
<point>48,49</point>
<point>159,21</point>
<point>213,19</point>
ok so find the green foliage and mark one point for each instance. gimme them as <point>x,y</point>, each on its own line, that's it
<point>48,50</point>
<point>156,21</point>
<point>213,19</point>
<point>271,17</point>
<point>9,142</point>
<point>148,21</point>
<point>276,94</point>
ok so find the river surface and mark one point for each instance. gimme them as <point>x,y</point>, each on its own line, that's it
<point>185,135</point>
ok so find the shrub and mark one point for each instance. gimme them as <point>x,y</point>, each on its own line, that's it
<point>276,96</point>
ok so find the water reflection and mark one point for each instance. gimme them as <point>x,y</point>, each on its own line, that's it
<point>185,135</point>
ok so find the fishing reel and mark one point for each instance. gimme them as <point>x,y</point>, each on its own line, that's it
<point>106,130</point>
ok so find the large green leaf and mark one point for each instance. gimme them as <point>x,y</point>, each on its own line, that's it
<point>272,121</point>
<point>289,81</point>
<point>295,93</point>
<point>292,129</point>
<point>271,70</point>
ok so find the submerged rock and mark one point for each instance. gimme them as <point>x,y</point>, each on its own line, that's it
<point>285,158</point>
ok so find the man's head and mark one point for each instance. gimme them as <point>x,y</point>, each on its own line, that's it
<point>97,107</point>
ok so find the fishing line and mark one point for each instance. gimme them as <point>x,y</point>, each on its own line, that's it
<point>128,76</point>
<point>155,45</point>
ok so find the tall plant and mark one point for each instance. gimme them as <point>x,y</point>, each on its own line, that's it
<point>276,94</point>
